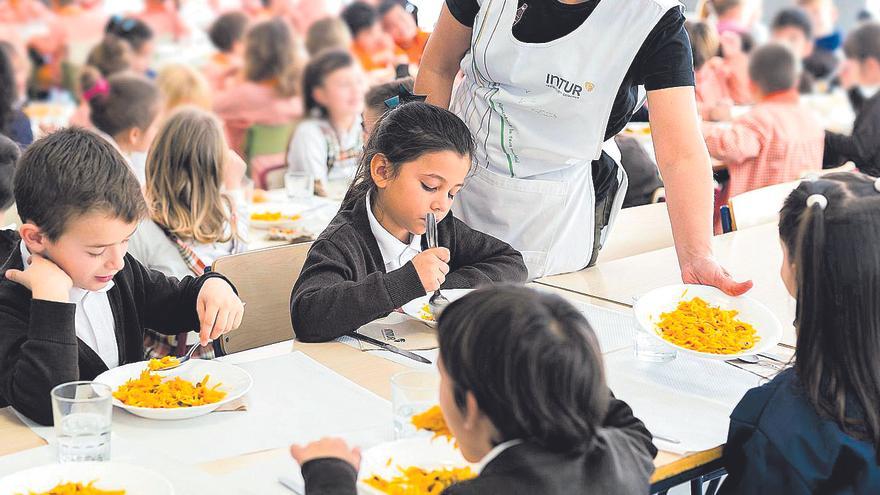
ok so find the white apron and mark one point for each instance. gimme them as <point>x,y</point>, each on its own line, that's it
<point>538,112</point>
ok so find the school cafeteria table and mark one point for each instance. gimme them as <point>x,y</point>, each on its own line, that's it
<point>372,372</point>
<point>753,253</point>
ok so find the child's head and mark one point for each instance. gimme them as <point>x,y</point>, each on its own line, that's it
<point>139,35</point>
<point>823,14</point>
<point>185,170</point>
<point>112,55</point>
<point>8,92</point>
<point>9,154</point>
<point>363,22</point>
<point>182,85</point>
<point>793,27</point>
<point>333,85</point>
<point>743,12</point>
<point>330,33</point>
<point>704,41</point>
<point>397,22</point>
<point>271,55</point>
<point>227,32</point>
<point>520,364</point>
<point>829,230</point>
<point>862,46</point>
<point>414,163</point>
<point>375,100</point>
<point>124,106</point>
<point>773,68</point>
<point>80,203</point>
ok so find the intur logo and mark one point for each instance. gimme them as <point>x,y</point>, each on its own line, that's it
<point>566,87</point>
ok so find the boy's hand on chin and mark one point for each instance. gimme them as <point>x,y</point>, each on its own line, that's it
<point>44,278</point>
<point>219,309</point>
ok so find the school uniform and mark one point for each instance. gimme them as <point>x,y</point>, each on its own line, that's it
<point>46,343</point>
<point>221,70</point>
<point>778,443</point>
<point>862,147</point>
<point>711,86</point>
<point>356,271</point>
<point>416,47</point>
<point>544,110</point>
<point>619,461</point>
<point>317,148</point>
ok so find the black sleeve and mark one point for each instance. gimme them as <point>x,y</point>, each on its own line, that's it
<point>464,11</point>
<point>327,302</point>
<point>665,59</point>
<point>862,148</point>
<point>169,304</point>
<point>620,416</point>
<point>37,355</point>
<point>478,258</point>
<point>329,476</point>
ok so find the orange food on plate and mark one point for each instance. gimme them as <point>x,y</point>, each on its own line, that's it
<point>700,326</point>
<point>417,481</point>
<point>432,420</point>
<point>151,390</point>
<point>77,489</point>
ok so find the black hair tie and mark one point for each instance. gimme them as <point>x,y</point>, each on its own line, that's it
<point>403,96</point>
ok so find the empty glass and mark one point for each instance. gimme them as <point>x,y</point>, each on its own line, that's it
<point>412,392</point>
<point>299,185</point>
<point>82,412</point>
<point>648,349</point>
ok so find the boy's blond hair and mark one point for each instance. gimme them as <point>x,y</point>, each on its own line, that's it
<point>327,34</point>
<point>182,85</point>
<point>184,174</point>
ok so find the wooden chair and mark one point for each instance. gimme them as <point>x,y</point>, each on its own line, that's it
<point>637,230</point>
<point>265,149</point>
<point>264,279</point>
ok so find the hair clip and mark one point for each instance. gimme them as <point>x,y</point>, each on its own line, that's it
<point>877,184</point>
<point>817,199</point>
<point>101,87</point>
<point>403,96</point>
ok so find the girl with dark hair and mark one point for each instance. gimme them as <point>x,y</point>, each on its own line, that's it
<point>816,427</point>
<point>522,389</point>
<point>372,259</point>
<point>329,143</point>
<point>139,35</point>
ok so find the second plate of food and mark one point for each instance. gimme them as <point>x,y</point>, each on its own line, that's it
<point>418,308</point>
<point>197,387</point>
<point>411,465</point>
<point>705,322</point>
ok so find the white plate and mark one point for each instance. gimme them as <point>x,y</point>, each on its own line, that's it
<point>284,209</point>
<point>134,480</point>
<point>234,381</point>
<point>414,307</point>
<point>421,451</point>
<point>649,307</point>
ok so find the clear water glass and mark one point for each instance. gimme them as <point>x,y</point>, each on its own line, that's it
<point>82,412</point>
<point>299,185</point>
<point>412,392</point>
<point>649,349</point>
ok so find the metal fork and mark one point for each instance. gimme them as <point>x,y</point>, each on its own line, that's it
<point>437,302</point>
<point>183,359</point>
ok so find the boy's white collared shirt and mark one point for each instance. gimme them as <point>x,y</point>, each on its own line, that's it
<point>495,452</point>
<point>94,318</point>
<point>395,253</point>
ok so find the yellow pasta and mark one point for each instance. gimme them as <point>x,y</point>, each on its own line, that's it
<point>161,364</point>
<point>150,390</point>
<point>700,326</point>
<point>432,420</point>
<point>77,489</point>
<point>417,481</point>
<point>426,314</point>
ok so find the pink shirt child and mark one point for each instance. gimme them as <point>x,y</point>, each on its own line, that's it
<point>249,103</point>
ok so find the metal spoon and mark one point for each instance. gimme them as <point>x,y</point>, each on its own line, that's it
<point>438,301</point>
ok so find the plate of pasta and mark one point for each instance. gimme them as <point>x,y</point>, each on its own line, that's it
<point>418,308</point>
<point>705,322</point>
<point>413,466</point>
<point>86,478</point>
<point>197,387</point>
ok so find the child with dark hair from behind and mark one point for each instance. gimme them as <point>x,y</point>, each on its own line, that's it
<point>778,140</point>
<point>792,26</point>
<point>375,106</point>
<point>530,434</point>
<point>815,428</point>
<point>227,35</point>
<point>373,257</point>
<point>73,304</point>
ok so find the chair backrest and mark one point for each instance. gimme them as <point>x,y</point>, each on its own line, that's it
<point>267,139</point>
<point>264,279</point>
<point>637,230</point>
<point>759,206</point>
